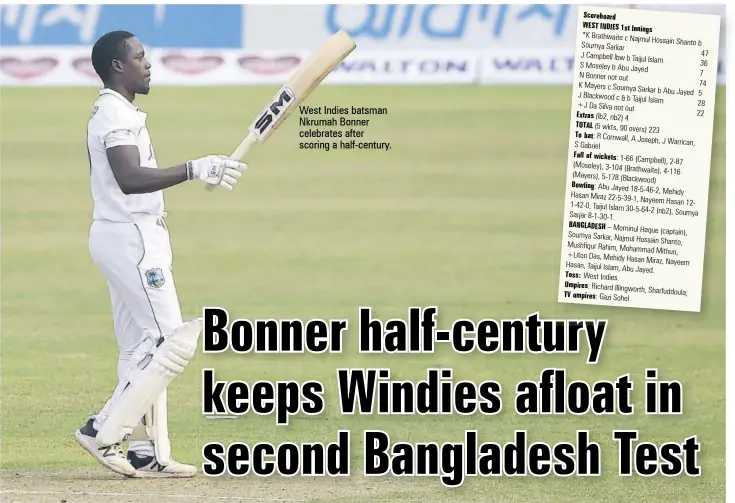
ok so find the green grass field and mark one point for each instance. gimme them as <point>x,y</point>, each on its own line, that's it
<point>464,212</point>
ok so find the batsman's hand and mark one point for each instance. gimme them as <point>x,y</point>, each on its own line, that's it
<point>217,170</point>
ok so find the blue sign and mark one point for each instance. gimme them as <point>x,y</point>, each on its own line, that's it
<point>447,22</point>
<point>185,26</point>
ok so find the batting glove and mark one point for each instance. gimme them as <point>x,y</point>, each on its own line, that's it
<point>217,170</point>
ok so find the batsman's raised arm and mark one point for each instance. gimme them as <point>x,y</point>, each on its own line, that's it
<point>134,179</point>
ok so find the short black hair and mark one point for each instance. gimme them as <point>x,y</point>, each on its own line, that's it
<point>108,47</point>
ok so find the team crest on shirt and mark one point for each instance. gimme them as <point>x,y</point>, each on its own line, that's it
<point>154,277</point>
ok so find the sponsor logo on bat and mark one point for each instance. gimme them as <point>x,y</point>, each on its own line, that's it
<point>269,116</point>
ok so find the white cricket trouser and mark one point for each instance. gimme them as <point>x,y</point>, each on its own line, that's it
<point>135,259</point>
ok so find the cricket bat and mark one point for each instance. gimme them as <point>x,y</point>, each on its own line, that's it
<point>307,77</point>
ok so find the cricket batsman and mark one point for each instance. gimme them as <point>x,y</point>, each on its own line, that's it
<point>129,243</point>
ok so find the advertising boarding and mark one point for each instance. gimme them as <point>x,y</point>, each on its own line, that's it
<point>44,45</point>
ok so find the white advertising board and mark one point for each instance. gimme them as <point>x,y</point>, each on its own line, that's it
<point>71,66</point>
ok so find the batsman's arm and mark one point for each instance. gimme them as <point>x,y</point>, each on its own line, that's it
<point>135,179</point>
<point>214,170</point>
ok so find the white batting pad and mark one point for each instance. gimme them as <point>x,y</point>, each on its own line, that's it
<point>153,375</point>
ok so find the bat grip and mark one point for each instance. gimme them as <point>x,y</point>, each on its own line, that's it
<point>243,148</point>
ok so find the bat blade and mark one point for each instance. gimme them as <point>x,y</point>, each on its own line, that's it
<point>302,83</point>
<point>307,77</point>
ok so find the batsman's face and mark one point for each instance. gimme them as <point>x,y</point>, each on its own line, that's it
<point>137,69</point>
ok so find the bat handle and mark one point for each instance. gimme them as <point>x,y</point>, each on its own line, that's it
<point>243,148</point>
<point>239,152</point>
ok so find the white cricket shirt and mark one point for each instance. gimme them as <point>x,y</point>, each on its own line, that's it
<point>116,121</point>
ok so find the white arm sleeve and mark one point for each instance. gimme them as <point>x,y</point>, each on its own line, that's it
<point>118,137</point>
<point>114,125</point>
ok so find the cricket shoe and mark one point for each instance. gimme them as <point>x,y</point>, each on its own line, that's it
<point>111,456</point>
<point>149,467</point>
